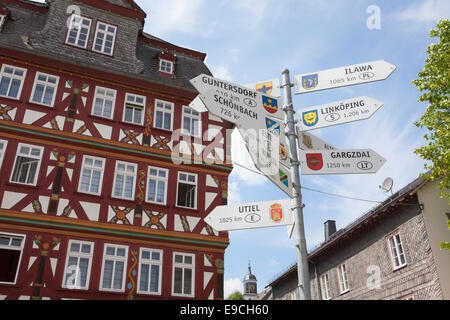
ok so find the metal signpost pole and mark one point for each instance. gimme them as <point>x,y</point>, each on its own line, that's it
<point>297,210</point>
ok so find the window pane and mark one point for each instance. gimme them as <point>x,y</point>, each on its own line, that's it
<point>128,114</point>
<point>143,284</point>
<point>151,196</point>
<point>154,278</point>
<point>119,185</point>
<point>48,97</point>
<point>14,90</point>
<point>38,93</point>
<point>187,281</point>
<point>107,274</point>
<point>118,275</point>
<point>178,278</point>
<point>161,191</point>
<point>4,85</point>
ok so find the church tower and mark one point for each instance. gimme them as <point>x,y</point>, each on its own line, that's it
<point>250,285</point>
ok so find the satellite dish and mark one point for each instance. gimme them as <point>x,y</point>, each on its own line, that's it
<point>387,185</point>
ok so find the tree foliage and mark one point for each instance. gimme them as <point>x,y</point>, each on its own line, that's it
<point>434,82</point>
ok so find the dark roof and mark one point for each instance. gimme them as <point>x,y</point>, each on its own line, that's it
<point>24,20</point>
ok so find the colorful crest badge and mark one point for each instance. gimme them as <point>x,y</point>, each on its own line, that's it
<point>310,82</point>
<point>283,152</point>
<point>273,126</point>
<point>310,118</point>
<point>276,212</point>
<point>265,87</point>
<point>314,161</point>
<point>284,179</point>
<point>270,104</point>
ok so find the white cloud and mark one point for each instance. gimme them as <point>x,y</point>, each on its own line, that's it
<point>232,285</point>
<point>221,72</point>
<point>425,11</point>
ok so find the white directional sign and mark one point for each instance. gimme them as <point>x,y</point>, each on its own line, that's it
<point>343,76</point>
<point>318,162</point>
<point>340,112</point>
<point>270,87</point>
<point>234,103</point>
<point>251,215</point>
<point>307,141</point>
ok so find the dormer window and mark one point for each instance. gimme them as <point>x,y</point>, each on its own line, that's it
<point>105,36</point>
<point>166,66</point>
<point>79,29</point>
<point>166,63</point>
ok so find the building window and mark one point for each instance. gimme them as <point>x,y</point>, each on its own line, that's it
<point>325,285</point>
<point>134,109</point>
<point>44,90</point>
<point>157,185</point>
<point>105,36</point>
<point>187,190</point>
<point>396,251</point>
<point>124,180</point>
<point>104,102</point>
<point>150,271</point>
<point>114,266</point>
<point>92,175</point>
<point>79,29</point>
<point>11,81</point>
<point>343,278</point>
<point>166,66</point>
<point>78,265</point>
<point>163,115</point>
<point>183,274</point>
<point>27,164</point>
<point>3,145</point>
<point>11,247</point>
<point>2,21</point>
<point>191,122</point>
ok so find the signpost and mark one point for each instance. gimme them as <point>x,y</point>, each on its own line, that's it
<point>318,162</point>
<point>251,215</point>
<point>259,118</point>
<point>343,76</point>
<point>340,112</point>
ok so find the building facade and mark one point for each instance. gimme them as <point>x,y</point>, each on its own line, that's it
<point>389,253</point>
<point>106,173</point>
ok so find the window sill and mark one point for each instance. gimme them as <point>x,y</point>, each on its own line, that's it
<point>139,125</point>
<point>42,105</point>
<point>81,193</point>
<point>400,267</point>
<point>102,118</point>
<point>18,184</point>
<point>344,292</point>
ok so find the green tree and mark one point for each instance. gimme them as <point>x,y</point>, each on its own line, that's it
<point>434,81</point>
<point>236,296</point>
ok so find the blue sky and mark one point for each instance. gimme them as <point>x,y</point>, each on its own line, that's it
<point>254,40</point>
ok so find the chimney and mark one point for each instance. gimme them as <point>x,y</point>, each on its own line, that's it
<point>330,228</point>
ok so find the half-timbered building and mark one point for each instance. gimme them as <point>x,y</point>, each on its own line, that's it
<point>106,173</point>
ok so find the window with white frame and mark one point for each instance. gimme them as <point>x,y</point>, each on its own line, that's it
<point>396,251</point>
<point>44,90</point>
<point>104,102</point>
<point>79,29</point>
<point>113,270</point>
<point>157,185</point>
<point>11,248</point>
<point>150,271</point>
<point>78,265</point>
<point>3,145</point>
<point>163,115</point>
<point>183,274</point>
<point>105,36</point>
<point>92,175</point>
<point>191,122</point>
<point>134,109</point>
<point>187,190</point>
<point>166,66</point>
<point>27,164</point>
<point>124,180</point>
<point>343,278</point>
<point>11,81</point>
<point>325,285</point>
